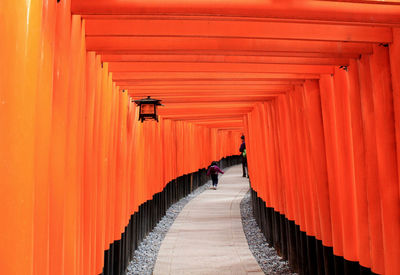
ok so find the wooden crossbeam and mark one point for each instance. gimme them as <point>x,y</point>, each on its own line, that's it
<point>206,76</point>
<point>211,59</point>
<point>311,10</point>
<point>111,44</point>
<point>223,28</point>
<point>217,67</point>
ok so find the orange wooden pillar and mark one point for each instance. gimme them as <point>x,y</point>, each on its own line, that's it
<point>371,173</point>
<point>299,162</point>
<point>20,68</point>
<point>43,139</point>
<point>319,179</point>
<point>250,148</point>
<point>58,174</point>
<point>345,183</point>
<point>122,173</point>
<point>107,154</point>
<point>262,171</point>
<point>305,192</point>
<point>97,247</point>
<point>386,157</point>
<point>394,51</point>
<point>357,131</point>
<point>111,201</point>
<point>287,162</point>
<point>269,157</point>
<point>72,194</point>
<point>81,145</point>
<point>129,158</point>
<point>100,115</point>
<point>328,114</point>
<point>90,187</point>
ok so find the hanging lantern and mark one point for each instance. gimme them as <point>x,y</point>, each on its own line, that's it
<point>148,108</point>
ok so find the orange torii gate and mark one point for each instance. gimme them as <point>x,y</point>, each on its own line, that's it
<point>314,85</point>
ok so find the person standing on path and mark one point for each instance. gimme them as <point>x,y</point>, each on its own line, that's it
<point>213,170</point>
<point>242,150</point>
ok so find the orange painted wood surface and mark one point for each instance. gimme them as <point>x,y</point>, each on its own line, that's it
<point>313,85</point>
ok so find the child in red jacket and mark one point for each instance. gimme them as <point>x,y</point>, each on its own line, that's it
<point>213,170</point>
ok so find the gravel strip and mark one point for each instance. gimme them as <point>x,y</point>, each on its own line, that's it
<point>145,256</point>
<point>267,257</point>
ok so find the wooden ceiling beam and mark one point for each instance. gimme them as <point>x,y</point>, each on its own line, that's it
<point>154,84</point>
<point>223,95</point>
<point>184,110</point>
<point>222,100</point>
<point>217,67</point>
<point>146,54</point>
<point>222,124</point>
<point>227,93</point>
<point>176,89</point>
<point>122,44</point>
<point>211,105</point>
<point>311,10</point>
<point>196,117</point>
<point>217,119</point>
<point>226,59</point>
<point>223,28</point>
<point>233,129</point>
<point>208,76</point>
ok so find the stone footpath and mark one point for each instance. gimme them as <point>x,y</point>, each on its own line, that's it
<point>203,234</point>
<point>207,237</point>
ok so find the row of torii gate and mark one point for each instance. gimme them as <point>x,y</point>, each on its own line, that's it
<point>313,85</point>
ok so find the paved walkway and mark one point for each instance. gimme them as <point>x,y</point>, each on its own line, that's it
<point>207,237</point>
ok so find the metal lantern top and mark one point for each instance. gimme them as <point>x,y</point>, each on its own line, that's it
<point>148,108</point>
<point>148,100</point>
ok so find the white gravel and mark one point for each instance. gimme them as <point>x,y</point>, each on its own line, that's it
<point>266,256</point>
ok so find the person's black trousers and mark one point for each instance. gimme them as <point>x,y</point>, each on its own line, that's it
<point>244,165</point>
<point>214,178</point>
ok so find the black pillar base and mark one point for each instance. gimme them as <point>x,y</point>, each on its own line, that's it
<point>306,254</point>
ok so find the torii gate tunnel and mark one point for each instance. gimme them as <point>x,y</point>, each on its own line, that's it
<point>313,85</point>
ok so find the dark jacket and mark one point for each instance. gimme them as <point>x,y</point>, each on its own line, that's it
<point>214,170</point>
<point>242,147</point>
